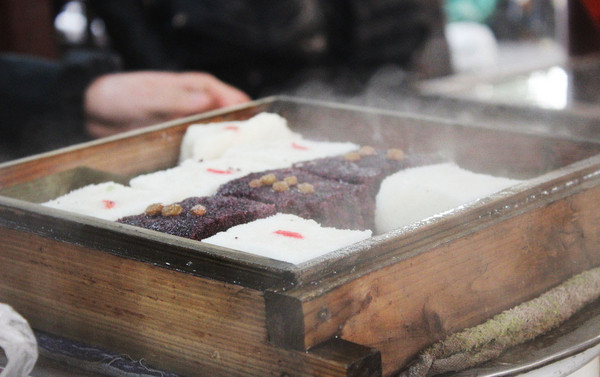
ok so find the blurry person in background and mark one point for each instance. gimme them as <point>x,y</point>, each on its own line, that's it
<point>51,98</point>
<point>262,47</point>
<point>523,19</point>
<point>265,46</point>
<point>46,104</point>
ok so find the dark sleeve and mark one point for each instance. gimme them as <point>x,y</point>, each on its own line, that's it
<point>24,84</point>
<point>375,32</point>
<point>136,29</point>
<point>41,101</point>
<point>25,87</point>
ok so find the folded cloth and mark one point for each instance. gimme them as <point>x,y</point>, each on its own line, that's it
<point>93,359</point>
<point>18,342</point>
<point>518,325</point>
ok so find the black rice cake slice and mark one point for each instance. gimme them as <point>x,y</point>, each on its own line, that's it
<point>329,202</point>
<point>366,166</point>
<point>200,217</point>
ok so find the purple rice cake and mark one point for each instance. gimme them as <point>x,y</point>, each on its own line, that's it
<point>366,166</point>
<point>328,202</point>
<point>200,217</point>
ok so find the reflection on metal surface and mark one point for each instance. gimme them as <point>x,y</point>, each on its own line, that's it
<point>563,350</point>
<point>539,78</point>
<point>547,89</point>
<point>550,88</point>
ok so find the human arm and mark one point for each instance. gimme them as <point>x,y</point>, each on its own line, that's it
<point>123,101</point>
<point>45,105</point>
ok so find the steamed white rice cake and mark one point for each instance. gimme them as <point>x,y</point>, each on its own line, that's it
<point>209,141</point>
<point>284,153</point>
<point>418,193</point>
<point>287,238</point>
<point>192,178</point>
<point>108,200</point>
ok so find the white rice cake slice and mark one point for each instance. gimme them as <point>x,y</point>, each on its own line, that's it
<point>287,238</point>
<point>209,141</point>
<point>284,153</point>
<point>108,200</point>
<point>192,178</point>
<point>419,193</point>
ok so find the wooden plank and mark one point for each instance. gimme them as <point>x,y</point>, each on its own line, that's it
<point>171,252</point>
<point>522,152</point>
<point>355,360</point>
<point>403,307</point>
<point>481,149</point>
<point>115,155</point>
<point>130,153</point>
<point>394,246</point>
<point>175,321</point>
<point>127,306</point>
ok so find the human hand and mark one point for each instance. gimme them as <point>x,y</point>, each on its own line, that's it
<point>121,102</point>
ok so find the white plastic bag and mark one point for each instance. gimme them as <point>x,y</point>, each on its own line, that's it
<point>18,342</point>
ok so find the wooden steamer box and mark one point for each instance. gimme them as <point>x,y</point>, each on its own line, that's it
<point>366,310</point>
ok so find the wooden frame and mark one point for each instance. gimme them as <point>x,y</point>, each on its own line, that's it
<point>366,310</point>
